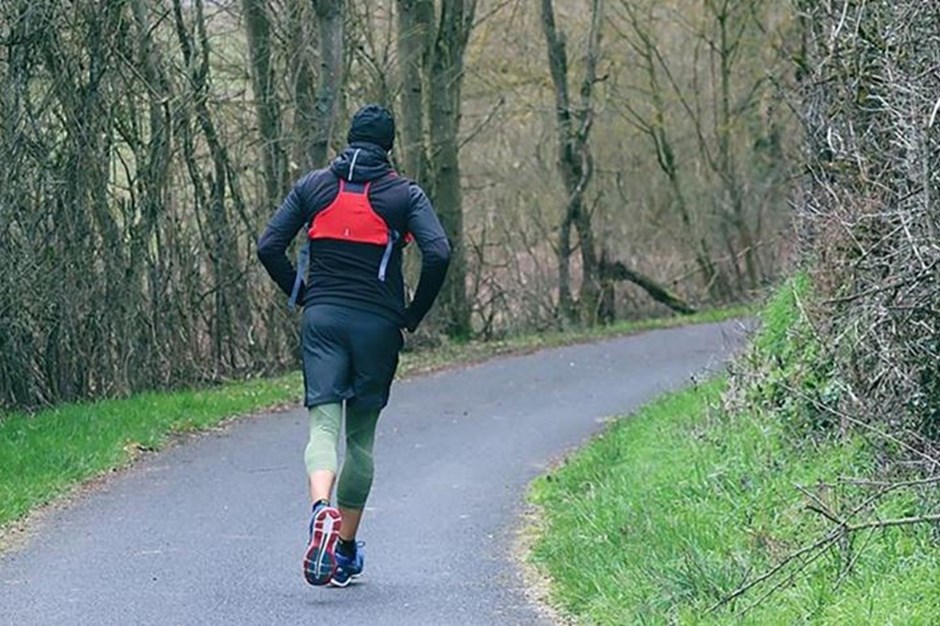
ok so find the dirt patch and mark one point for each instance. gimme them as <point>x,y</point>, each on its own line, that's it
<point>536,579</point>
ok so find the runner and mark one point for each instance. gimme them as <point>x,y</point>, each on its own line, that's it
<point>358,215</point>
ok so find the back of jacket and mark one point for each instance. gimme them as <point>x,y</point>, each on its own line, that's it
<point>347,272</point>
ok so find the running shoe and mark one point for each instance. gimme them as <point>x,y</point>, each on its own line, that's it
<point>348,568</point>
<point>320,557</point>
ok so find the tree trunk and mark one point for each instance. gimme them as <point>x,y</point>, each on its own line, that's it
<point>727,48</point>
<point>303,44</point>
<point>331,20</point>
<point>227,290</point>
<point>617,270</point>
<point>576,166</point>
<point>574,163</point>
<point>446,79</point>
<point>435,58</point>
<point>267,107</point>
<point>566,306</point>
<point>153,184</point>
<point>415,27</point>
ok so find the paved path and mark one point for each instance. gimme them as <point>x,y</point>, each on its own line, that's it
<point>212,532</point>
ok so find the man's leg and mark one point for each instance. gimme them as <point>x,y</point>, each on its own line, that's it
<point>325,522</point>
<point>320,455</point>
<point>327,380</point>
<point>375,343</point>
<point>355,481</point>
<point>352,491</point>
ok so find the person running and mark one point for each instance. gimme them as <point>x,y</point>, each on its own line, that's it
<point>358,215</point>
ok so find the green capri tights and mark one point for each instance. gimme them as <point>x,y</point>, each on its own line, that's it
<point>355,480</point>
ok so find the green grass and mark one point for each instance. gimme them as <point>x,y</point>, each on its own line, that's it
<point>674,508</point>
<point>668,511</point>
<point>44,455</point>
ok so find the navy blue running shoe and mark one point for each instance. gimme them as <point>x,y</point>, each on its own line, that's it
<point>320,557</point>
<point>348,568</point>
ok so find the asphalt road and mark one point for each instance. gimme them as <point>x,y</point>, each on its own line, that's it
<point>212,532</point>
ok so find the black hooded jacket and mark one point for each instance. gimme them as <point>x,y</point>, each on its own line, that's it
<point>344,272</point>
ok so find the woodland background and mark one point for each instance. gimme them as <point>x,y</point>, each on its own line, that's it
<point>591,160</point>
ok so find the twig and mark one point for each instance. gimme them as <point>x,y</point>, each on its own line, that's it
<point>831,537</point>
<point>484,123</point>
<point>820,506</point>
<point>819,543</point>
<point>855,557</point>
<point>889,523</point>
<point>933,114</point>
<point>789,579</point>
<point>825,513</point>
<point>863,482</point>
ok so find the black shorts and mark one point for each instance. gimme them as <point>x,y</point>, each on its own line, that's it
<point>348,354</point>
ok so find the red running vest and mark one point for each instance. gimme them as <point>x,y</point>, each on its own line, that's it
<point>350,217</point>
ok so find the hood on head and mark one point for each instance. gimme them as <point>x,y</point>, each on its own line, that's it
<point>361,162</point>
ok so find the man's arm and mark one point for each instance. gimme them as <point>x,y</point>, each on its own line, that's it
<point>426,228</point>
<point>281,230</point>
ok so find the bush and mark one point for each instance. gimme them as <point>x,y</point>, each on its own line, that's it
<point>868,212</point>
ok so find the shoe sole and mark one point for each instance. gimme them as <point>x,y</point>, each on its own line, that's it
<point>320,559</point>
<point>345,583</point>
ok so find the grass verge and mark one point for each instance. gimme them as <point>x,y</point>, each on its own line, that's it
<point>45,454</point>
<point>668,512</point>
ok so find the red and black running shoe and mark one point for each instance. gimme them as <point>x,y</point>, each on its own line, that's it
<point>320,557</point>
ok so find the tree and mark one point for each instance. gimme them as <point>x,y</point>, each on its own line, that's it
<point>415,29</point>
<point>267,104</point>
<point>575,162</point>
<point>331,20</point>
<point>645,108</point>
<point>432,67</point>
<point>576,167</point>
<point>228,290</point>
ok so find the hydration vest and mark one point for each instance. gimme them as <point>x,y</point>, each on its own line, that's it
<point>350,217</point>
